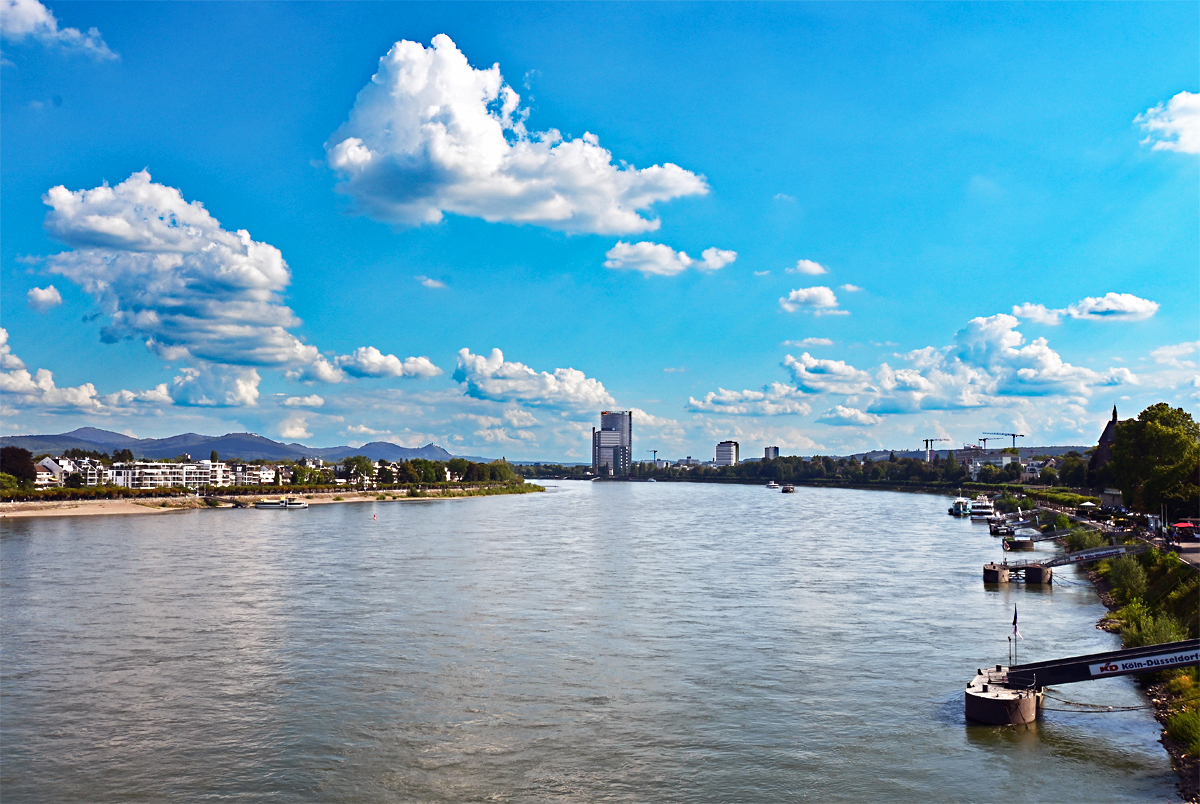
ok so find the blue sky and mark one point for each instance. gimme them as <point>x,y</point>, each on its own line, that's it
<point>830,227</point>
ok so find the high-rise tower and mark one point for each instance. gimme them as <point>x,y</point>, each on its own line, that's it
<point>612,444</point>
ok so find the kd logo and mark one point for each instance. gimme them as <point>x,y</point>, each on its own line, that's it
<point>1108,668</point>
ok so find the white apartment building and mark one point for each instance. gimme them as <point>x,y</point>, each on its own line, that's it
<point>150,475</point>
<point>999,460</point>
<point>727,454</point>
<point>252,475</point>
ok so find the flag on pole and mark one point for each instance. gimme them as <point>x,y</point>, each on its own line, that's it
<point>1016,631</point>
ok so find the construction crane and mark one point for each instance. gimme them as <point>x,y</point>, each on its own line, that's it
<point>985,440</point>
<point>929,441</point>
<point>1015,436</point>
<point>655,455</point>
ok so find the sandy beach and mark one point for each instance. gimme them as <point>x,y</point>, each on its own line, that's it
<point>163,505</point>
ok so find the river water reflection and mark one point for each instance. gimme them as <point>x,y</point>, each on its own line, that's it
<point>623,641</point>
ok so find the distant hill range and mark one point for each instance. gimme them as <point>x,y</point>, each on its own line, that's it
<point>246,446</point>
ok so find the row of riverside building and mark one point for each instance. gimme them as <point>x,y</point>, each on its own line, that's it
<point>181,474</point>
<point>157,475</point>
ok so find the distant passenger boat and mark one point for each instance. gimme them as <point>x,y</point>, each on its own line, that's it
<point>772,485</point>
<point>961,507</point>
<point>283,504</point>
<point>788,489</point>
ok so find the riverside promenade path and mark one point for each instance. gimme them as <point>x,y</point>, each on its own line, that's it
<point>1188,551</point>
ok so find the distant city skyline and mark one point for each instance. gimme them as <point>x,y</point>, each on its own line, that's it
<point>829,228</point>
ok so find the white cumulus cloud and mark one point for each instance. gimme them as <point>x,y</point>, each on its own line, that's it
<point>42,299</point>
<point>808,342</point>
<point>1114,307</point>
<point>294,427</point>
<point>29,19</point>
<point>848,417</point>
<point>430,134</point>
<point>39,388</point>
<point>1037,313</point>
<point>1110,307</point>
<point>776,399</point>
<point>818,376</point>
<point>808,267</point>
<point>430,283</point>
<point>1175,126</point>
<point>367,361</point>
<point>311,401</point>
<point>494,378</point>
<point>164,270</point>
<point>988,362</point>
<point>660,260</point>
<point>819,300</point>
<point>1174,355</point>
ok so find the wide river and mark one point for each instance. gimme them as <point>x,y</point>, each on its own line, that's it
<point>602,641</point>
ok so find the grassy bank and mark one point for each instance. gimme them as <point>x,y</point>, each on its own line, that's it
<point>1154,597</point>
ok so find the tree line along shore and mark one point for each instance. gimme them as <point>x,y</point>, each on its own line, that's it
<point>1152,460</point>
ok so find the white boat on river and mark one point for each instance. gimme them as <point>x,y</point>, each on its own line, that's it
<point>982,508</point>
<point>286,503</point>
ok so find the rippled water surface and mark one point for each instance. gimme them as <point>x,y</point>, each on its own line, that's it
<point>623,641</point>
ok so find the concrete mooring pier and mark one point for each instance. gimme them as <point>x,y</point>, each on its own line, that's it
<point>1012,696</point>
<point>1043,572</point>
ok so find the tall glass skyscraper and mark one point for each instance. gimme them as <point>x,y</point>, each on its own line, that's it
<point>612,444</point>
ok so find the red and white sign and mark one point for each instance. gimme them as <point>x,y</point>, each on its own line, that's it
<point>1144,663</point>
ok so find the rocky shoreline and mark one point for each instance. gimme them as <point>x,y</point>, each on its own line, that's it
<point>1188,767</point>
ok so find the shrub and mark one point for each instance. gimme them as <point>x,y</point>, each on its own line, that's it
<point>1085,539</point>
<point>1140,626</point>
<point>1185,727</point>
<point>1128,578</point>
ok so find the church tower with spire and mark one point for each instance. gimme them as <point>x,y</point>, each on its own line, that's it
<point>1104,447</point>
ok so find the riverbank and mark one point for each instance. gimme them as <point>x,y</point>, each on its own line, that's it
<point>1160,696</point>
<point>162,505</point>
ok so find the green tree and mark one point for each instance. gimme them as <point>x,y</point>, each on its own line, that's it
<point>1156,459</point>
<point>405,473</point>
<point>18,463</point>
<point>214,457</point>
<point>359,467</point>
<point>1073,472</point>
<point>386,475</point>
<point>7,482</point>
<point>123,456</point>
<point>1048,476</point>
<point>74,481</point>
